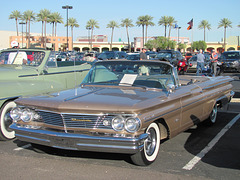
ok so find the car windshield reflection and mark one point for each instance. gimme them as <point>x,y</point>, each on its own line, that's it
<point>131,73</point>
<point>21,57</point>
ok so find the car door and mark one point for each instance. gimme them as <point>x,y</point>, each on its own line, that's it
<point>191,105</point>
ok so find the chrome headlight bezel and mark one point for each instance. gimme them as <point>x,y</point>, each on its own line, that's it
<point>23,114</point>
<point>132,124</point>
<point>129,123</point>
<point>27,115</point>
<point>15,114</point>
<point>118,123</point>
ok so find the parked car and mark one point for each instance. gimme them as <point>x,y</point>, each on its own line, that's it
<point>121,107</point>
<point>91,56</point>
<point>107,55</point>
<point>230,60</point>
<point>151,54</point>
<point>133,56</point>
<point>188,56</point>
<point>192,62</point>
<point>41,73</point>
<point>171,56</point>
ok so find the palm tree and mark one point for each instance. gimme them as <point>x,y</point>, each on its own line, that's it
<point>141,22</point>
<point>28,16</point>
<point>171,22</point>
<point>225,22</point>
<point>43,16</point>
<point>15,15</point>
<point>92,24</point>
<point>72,22</point>
<point>56,18</point>
<point>148,22</point>
<point>203,25</point>
<point>127,23</point>
<point>164,22</point>
<point>112,25</point>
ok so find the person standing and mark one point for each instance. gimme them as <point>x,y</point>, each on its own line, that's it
<point>143,55</point>
<point>214,62</point>
<point>200,62</point>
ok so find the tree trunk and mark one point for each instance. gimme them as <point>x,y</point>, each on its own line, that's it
<point>29,44</point>
<point>204,35</point>
<point>169,32</point>
<point>91,39</point>
<point>26,35</point>
<point>42,42</point>
<point>143,35</point>
<point>17,26</point>
<point>165,31</point>
<point>72,37</point>
<point>55,29</point>
<point>111,40</point>
<point>45,29</point>
<point>129,47</point>
<point>224,39</point>
<point>146,34</point>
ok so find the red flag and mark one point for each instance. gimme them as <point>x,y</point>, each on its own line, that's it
<point>190,24</point>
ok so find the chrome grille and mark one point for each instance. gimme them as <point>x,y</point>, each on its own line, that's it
<point>76,120</point>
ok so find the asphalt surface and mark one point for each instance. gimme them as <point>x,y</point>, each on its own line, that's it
<point>216,148</point>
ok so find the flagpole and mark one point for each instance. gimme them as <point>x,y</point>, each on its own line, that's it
<point>192,35</point>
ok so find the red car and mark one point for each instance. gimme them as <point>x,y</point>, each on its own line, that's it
<point>188,56</point>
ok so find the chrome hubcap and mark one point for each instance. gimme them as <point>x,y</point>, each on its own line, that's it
<point>150,143</point>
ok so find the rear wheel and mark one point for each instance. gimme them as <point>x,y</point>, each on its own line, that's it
<point>6,121</point>
<point>151,147</point>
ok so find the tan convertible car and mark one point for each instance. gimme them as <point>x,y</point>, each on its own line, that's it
<point>121,107</point>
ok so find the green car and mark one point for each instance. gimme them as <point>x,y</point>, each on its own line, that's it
<point>26,72</point>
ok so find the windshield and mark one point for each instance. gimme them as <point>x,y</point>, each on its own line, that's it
<point>231,55</point>
<point>133,57</point>
<point>131,73</point>
<point>22,57</point>
<point>164,55</point>
<point>107,55</point>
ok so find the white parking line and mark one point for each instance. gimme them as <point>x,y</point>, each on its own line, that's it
<point>200,155</point>
<point>23,147</point>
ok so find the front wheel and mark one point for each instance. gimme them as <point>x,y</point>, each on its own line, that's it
<point>151,147</point>
<point>212,117</point>
<point>6,121</point>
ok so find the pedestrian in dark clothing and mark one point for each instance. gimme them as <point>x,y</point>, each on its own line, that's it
<point>143,55</point>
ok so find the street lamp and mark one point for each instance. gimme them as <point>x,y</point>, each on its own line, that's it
<point>178,33</point>
<point>22,23</point>
<point>67,7</point>
<point>88,28</point>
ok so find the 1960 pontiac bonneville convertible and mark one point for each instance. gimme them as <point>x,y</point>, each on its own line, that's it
<point>29,72</point>
<point>121,107</point>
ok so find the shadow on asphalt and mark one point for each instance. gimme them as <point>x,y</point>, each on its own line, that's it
<point>225,153</point>
<point>74,153</point>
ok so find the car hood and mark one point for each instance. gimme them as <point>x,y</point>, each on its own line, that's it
<point>14,71</point>
<point>96,99</point>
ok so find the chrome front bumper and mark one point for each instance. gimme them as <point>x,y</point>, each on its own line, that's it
<point>81,141</point>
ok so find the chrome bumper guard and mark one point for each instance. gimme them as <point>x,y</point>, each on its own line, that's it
<point>80,141</point>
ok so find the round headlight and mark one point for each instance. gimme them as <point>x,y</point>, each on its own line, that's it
<point>27,115</point>
<point>15,114</point>
<point>118,123</point>
<point>132,124</point>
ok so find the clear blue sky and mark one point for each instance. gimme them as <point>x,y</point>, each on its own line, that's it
<point>106,10</point>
